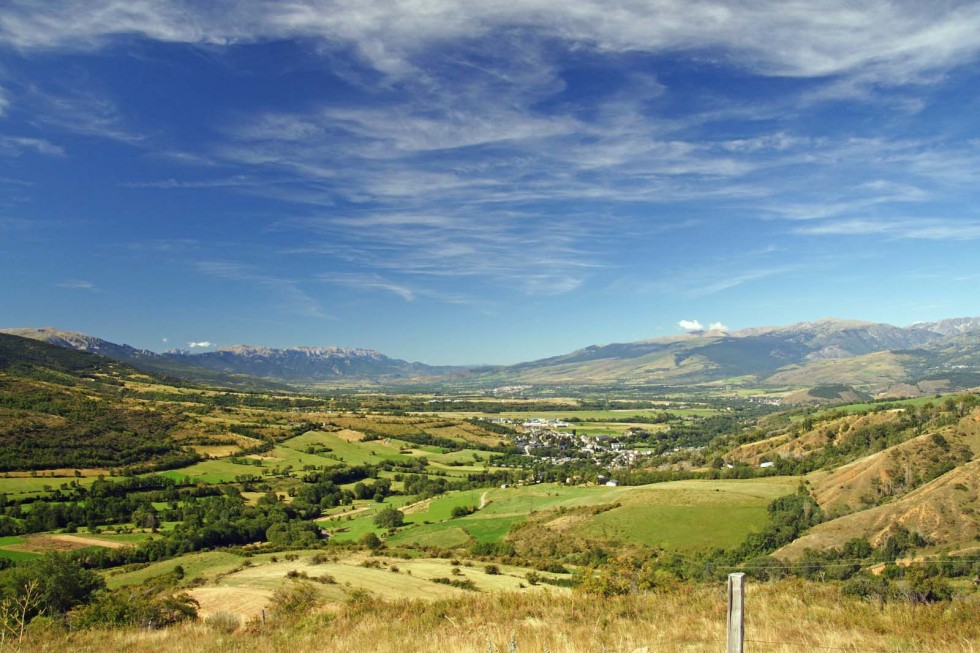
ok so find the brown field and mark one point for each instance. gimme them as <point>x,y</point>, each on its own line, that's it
<point>248,603</point>
<point>349,435</point>
<point>216,450</point>
<point>47,543</point>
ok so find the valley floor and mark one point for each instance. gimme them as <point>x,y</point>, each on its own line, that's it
<point>782,617</point>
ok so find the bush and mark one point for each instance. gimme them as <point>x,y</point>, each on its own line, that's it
<point>371,541</point>
<point>918,587</point>
<point>295,601</point>
<point>876,588</point>
<point>58,584</point>
<point>134,606</point>
<point>462,511</point>
<point>389,518</point>
<point>224,622</point>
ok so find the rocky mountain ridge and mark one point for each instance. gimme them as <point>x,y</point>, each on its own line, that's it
<point>868,355</point>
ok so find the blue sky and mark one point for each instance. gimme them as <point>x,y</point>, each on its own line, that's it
<point>459,182</point>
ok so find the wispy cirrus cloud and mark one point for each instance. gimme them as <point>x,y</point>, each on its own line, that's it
<point>502,249</point>
<point>368,282</point>
<point>466,152</point>
<point>890,42</point>
<point>16,145</point>
<point>175,184</point>
<point>902,228</point>
<point>288,295</point>
<point>79,284</point>
<point>80,110</point>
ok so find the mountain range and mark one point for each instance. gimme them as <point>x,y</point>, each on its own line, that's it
<point>872,357</point>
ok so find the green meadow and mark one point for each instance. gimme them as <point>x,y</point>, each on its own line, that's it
<point>680,515</point>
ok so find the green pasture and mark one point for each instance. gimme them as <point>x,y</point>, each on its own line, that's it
<point>21,485</point>
<point>680,515</point>
<point>196,565</point>
<point>868,407</point>
<point>353,453</point>
<point>213,471</point>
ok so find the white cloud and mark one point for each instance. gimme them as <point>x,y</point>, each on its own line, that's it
<point>717,326</point>
<point>175,184</point>
<point>690,325</point>
<point>369,282</point>
<point>893,42</point>
<point>78,284</point>
<point>15,145</point>
<point>289,295</point>
<point>80,110</point>
<point>194,345</point>
<point>165,340</point>
<point>902,228</point>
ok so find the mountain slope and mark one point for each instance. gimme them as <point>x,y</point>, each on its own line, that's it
<point>916,465</point>
<point>944,511</point>
<point>61,408</point>
<point>870,357</point>
<point>307,364</point>
<point>864,354</point>
<point>143,359</point>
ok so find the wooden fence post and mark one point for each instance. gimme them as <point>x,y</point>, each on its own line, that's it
<point>736,613</point>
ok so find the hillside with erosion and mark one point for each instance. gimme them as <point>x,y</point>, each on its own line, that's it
<point>141,511</point>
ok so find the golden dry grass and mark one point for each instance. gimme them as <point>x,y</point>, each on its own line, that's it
<point>784,617</point>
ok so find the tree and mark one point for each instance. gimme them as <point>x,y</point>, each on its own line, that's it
<point>135,606</point>
<point>295,601</point>
<point>60,583</point>
<point>389,518</point>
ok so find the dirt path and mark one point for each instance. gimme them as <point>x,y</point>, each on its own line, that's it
<point>483,500</point>
<point>342,514</point>
<point>416,507</point>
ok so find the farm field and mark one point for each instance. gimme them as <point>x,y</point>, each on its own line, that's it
<point>680,515</point>
<point>243,586</point>
<point>14,486</point>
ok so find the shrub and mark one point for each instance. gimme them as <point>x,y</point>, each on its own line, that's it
<point>134,606</point>
<point>876,588</point>
<point>371,541</point>
<point>462,511</point>
<point>295,601</point>
<point>389,518</point>
<point>224,622</point>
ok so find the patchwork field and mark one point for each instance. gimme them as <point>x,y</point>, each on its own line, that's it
<point>681,515</point>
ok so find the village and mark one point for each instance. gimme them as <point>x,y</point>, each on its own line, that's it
<point>554,441</point>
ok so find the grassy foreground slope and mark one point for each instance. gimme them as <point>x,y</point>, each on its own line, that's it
<point>782,617</point>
